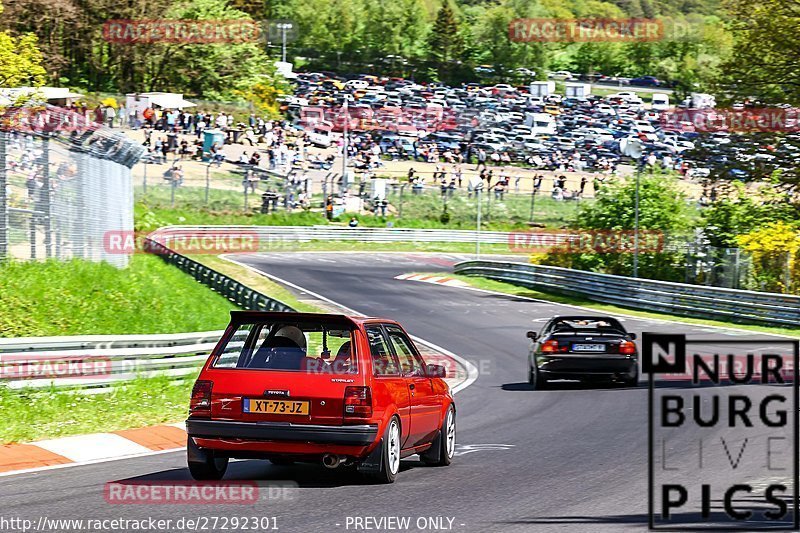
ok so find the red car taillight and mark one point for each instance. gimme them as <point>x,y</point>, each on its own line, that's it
<point>200,403</point>
<point>550,347</point>
<point>358,402</point>
<point>627,348</point>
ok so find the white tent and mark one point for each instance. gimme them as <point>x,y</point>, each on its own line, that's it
<point>141,101</point>
<point>60,96</point>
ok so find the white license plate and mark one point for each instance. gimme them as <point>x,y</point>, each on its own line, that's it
<point>588,347</point>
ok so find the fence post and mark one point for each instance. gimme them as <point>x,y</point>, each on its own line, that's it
<point>788,268</point>
<point>46,199</point>
<point>79,247</point>
<point>208,182</point>
<point>32,227</point>
<point>3,199</point>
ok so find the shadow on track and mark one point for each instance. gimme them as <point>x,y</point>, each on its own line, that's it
<point>569,385</point>
<point>304,475</point>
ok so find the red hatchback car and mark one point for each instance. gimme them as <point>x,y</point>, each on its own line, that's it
<point>315,387</point>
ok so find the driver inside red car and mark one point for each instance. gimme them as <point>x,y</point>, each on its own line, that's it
<point>285,350</point>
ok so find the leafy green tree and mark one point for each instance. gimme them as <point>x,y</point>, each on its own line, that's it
<point>395,28</point>
<point>738,212</point>
<point>662,207</point>
<point>495,47</point>
<point>765,57</point>
<point>20,60</point>
<point>213,71</point>
<point>445,41</point>
<point>599,57</point>
<point>334,27</point>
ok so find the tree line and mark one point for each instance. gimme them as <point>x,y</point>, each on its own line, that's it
<point>736,48</point>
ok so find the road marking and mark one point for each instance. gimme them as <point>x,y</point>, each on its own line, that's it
<point>464,449</point>
<point>439,280</point>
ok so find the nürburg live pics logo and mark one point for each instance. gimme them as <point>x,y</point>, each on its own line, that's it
<point>723,433</point>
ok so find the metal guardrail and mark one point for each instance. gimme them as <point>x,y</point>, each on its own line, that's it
<point>661,296</point>
<point>105,342</point>
<point>95,368</point>
<point>277,234</point>
<point>271,238</point>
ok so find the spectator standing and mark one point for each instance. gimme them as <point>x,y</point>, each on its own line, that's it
<point>110,115</point>
<point>481,158</point>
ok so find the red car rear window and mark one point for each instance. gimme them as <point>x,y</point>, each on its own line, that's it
<point>311,348</point>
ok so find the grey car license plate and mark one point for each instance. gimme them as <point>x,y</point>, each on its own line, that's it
<point>588,347</point>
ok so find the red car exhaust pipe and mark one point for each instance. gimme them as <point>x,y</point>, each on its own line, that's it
<point>331,460</point>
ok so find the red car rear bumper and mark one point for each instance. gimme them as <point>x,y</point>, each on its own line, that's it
<point>280,437</point>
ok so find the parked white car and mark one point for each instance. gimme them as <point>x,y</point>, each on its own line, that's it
<point>660,102</point>
<point>628,96</point>
<point>561,75</point>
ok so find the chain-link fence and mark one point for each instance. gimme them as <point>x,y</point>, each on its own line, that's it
<point>65,186</point>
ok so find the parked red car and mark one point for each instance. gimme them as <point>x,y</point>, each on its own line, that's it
<point>314,387</point>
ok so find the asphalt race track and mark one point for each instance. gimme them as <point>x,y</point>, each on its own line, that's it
<point>570,459</point>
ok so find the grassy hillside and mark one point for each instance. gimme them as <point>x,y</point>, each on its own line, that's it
<point>80,298</point>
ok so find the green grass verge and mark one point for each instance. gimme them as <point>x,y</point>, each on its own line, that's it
<point>257,282</point>
<point>419,211</point>
<point>30,415</point>
<point>163,300</point>
<point>499,286</point>
<point>83,298</point>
